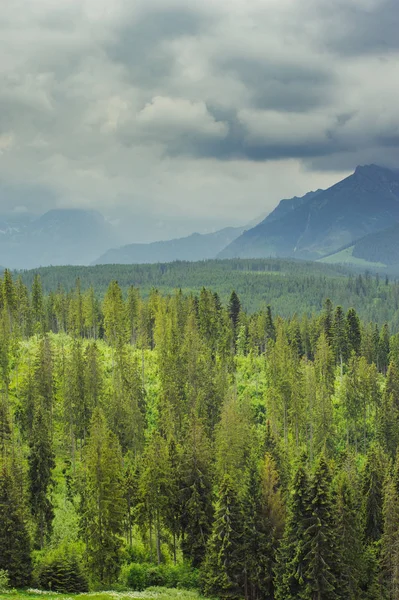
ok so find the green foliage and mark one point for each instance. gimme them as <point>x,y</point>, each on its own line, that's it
<point>102,500</point>
<point>60,571</point>
<point>223,569</point>
<point>14,538</point>
<point>4,581</point>
<point>140,576</point>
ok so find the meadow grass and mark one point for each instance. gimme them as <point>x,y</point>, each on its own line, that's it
<point>149,594</point>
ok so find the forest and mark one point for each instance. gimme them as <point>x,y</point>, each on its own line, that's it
<point>180,440</point>
<point>288,286</point>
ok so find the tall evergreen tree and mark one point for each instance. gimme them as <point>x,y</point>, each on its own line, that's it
<point>353,333</point>
<point>103,502</point>
<point>196,494</point>
<point>320,543</point>
<point>223,571</point>
<point>40,473</point>
<point>292,558</point>
<point>15,555</point>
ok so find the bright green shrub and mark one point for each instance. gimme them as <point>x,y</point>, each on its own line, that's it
<point>60,571</point>
<point>139,576</point>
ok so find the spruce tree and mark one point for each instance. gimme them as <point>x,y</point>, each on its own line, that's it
<point>292,559</point>
<point>321,549</point>
<point>373,480</point>
<point>196,494</point>
<point>353,333</point>
<point>234,309</point>
<point>339,341</point>
<point>349,537</point>
<point>258,539</point>
<point>41,464</point>
<point>223,570</point>
<point>390,541</point>
<point>15,555</point>
<point>103,502</point>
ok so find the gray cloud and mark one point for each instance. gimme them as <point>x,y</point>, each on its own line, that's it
<point>164,111</point>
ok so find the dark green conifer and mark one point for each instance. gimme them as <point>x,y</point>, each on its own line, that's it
<point>223,570</point>
<point>353,333</point>
<point>321,550</point>
<point>41,465</point>
<point>14,538</point>
<point>292,560</point>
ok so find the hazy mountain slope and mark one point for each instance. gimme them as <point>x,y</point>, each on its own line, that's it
<point>191,248</point>
<point>69,236</point>
<point>286,206</point>
<point>366,201</point>
<point>377,249</point>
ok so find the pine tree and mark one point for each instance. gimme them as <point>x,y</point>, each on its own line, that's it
<point>353,333</point>
<point>292,560</point>
<point>223,571</point>
<point>196,494</point>
<point>258,538</point>
<point>41,464</point>
<point>5,428</point>
<point>327,319</point>
<point>37,304</point>
<point>103,502</point>
<point>270,329</point>
<point>320,543</point>
<point>390,540</point>
<point>383,349</point>
<point>339,341</point>
<point>15,555</point>
<point>155,482</point>
<point>115,325</point>
<point>349,537</point>
<point>234,309</point>
<point>373,480</point>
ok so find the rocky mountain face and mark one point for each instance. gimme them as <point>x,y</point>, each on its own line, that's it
<point>324,221</point>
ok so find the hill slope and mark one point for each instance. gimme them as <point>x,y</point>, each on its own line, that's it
<point>191,248</point>
<point>319,223</point>
<point>379,250</point>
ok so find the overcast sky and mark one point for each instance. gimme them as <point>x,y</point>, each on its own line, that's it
<point>176,116</point>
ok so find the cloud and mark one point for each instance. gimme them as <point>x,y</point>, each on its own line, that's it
<point>168,112</point>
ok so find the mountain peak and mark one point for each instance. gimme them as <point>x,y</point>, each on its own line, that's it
<point>373,170</point>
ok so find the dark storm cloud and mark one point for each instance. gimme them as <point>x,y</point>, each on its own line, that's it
<point>361,28</point>
<point>141,44</point>
<point>275,85</point>
<point>172,108</point>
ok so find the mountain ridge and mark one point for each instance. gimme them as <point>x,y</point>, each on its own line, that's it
<point>193,247</point>
<point>364,202</point>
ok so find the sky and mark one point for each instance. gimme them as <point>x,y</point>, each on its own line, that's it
<point>171,116</point>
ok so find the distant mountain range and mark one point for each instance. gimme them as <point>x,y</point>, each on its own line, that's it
<point>58,237</point>
<point>193,247</point>
<point>356,221</point>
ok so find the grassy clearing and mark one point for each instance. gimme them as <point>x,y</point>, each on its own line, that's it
<point>149,594</point>
<point>345,257</point>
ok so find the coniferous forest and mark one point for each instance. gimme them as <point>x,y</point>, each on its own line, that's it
<point>178,440</point>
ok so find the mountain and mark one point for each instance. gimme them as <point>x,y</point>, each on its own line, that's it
<point>324,221</point>
<point>378,250</point>
<point>63,236</point>
<point>191,248</point>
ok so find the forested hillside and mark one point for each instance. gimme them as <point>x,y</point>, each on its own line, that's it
<point>288,286</point>
<point>179,440</point>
